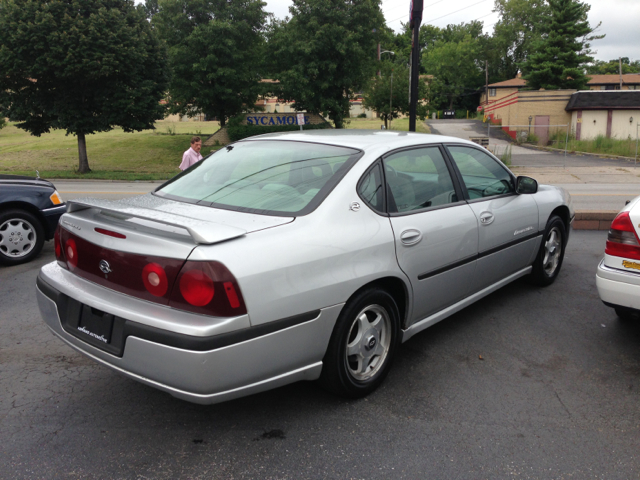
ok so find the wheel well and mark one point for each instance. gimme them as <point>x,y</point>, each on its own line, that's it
<point>563,212</point>
<point>396,288</point>
<point>29,208</point>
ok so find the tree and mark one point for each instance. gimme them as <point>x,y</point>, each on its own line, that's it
<point>326,53</point>
<point>559,57</point>
<point>455,69</point>
<point>388,94</point>
<point>80,65</point>
<point>600,67</point>
<point>216,50</point>
<point>520,26</point>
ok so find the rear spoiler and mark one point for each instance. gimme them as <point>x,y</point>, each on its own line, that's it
<point>203,233</point>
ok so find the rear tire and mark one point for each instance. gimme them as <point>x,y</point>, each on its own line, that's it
<point>362,344</point>
<point>21,237</point>
<point>548,262</point>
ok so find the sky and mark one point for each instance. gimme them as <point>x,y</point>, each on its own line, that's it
<point>619,20</point>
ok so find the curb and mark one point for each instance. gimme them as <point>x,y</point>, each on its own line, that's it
<point>594,219</point>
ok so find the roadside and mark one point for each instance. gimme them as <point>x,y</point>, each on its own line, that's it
<point>599,186</point>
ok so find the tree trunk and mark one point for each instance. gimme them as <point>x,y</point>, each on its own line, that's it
<point>338,121</point>
<point>451,103</point>
<point>83,165</point>
<point>222,120</point>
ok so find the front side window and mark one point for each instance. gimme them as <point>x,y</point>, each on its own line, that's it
<point>418,179</point>
<point>492,92</point>
<point>482,175</point>
<point>264,176</point>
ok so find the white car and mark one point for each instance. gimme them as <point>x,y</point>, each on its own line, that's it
<point>618,276</point>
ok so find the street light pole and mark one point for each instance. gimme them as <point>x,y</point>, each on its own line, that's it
<point>391,96</point>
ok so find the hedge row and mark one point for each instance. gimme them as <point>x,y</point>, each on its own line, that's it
<point>237,131</point>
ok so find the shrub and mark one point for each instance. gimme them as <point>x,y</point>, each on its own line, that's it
<point>237,131</point>
<point>3,122</point>
<point>362,115</point>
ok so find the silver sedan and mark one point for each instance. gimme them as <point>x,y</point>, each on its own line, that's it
<point>296,256</point>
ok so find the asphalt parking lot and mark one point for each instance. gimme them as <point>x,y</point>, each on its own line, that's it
<point>527,383</point>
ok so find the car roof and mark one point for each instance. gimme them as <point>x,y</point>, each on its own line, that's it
<point>361,139</point>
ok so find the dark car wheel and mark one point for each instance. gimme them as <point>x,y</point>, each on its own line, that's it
<point>21,237</point>
<point>362,344</point>
<point>627,314</point>
<point>548,262</point>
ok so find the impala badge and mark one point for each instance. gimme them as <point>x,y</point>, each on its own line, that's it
<point>104,267</point>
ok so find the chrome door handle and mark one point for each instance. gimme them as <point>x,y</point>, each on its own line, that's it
<point>486,218</point>
<point>410,236</point>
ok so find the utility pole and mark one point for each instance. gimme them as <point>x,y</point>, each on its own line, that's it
<point>620,60</point>
<point>414,23</point>
<point>486,82</point>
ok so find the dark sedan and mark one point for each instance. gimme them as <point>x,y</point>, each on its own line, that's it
<point>30,208</point>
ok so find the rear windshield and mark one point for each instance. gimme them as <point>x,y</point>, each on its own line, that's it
<point>263,176</point>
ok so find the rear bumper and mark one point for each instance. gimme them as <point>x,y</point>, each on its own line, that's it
<point>618,288</point>
<point>206,376</point>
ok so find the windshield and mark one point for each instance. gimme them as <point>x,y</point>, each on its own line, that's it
<point>264,176</point>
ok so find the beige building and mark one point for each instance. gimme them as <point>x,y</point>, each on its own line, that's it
<point>610,113</point>
<point>543,112</point>
<point>540,112</point>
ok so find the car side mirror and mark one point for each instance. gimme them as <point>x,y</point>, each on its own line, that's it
<point>526,185</point>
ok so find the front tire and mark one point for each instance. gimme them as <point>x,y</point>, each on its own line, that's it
<point>627,314</point>
<point>362,344</point>
<point>21,237</point>
<point>548,262</point>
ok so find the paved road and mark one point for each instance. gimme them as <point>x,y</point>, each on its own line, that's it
<point>555,395</point>
<point>71,190</point>
<point>601,196</point>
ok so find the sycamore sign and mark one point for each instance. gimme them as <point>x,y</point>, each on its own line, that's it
<point>275,119</point>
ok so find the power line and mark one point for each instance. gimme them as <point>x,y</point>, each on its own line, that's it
<point>446,15</point>
<point>406,15</point>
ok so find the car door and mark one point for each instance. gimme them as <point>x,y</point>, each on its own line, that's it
<point>436,232</point>
<point>508,222</point>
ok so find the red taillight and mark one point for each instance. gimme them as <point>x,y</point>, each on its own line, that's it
<point>71,252</point>
<point>155,279</point>
<point>622,240</point>
<point>110,233</point>
<point>56,244</point>
<point>196,288</point>
<point>199,289</point>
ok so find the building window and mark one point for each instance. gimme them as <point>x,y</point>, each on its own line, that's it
<point>492,92</point>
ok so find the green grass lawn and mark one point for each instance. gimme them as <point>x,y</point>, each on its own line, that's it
<point>147,155</point>
<point>400,124</point>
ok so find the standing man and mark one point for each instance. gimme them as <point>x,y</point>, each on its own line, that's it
<point>192,155</point>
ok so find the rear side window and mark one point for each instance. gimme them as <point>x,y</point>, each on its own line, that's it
<point>370,188</point>
<point>417,179</point>
<point>482,175</point>
<point>270,177</point>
